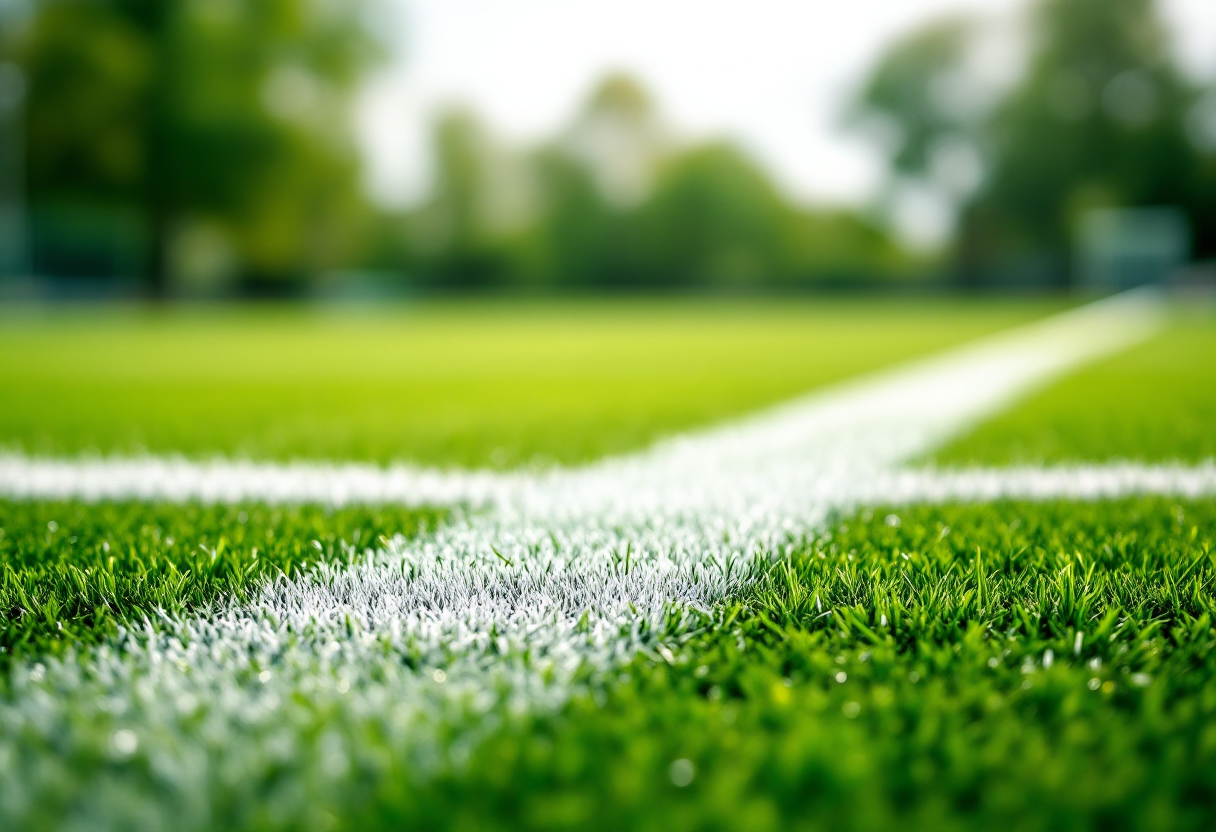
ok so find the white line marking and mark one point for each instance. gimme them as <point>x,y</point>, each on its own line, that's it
<point>568,569</point>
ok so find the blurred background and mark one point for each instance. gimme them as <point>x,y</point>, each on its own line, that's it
<point>195,149</point>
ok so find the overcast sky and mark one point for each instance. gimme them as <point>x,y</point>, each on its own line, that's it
<point>771,74</point>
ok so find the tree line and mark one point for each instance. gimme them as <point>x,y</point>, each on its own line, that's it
<point>204,143</point>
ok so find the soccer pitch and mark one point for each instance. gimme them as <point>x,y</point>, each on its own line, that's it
<point>841,607</point>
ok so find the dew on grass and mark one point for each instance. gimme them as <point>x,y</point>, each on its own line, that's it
<point>124,743</point>
<point>681,772</point>
<point>893,521</point>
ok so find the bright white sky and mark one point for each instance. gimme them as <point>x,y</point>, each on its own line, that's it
<point>771,74</point>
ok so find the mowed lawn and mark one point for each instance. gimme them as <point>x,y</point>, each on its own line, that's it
<point>472,384</point>
<point>1015,665</point>
<point>1153,403</point>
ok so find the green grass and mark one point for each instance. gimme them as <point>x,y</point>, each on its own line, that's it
<point>71,572</point>
<point>890,674</point>
<point>879,677</point>
<point>802,709</point>
<point>1154,403</point>
<point>448,384</point>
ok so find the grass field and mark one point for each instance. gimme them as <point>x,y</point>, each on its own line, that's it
<point>443,384</point>
<point>1043,665</point>
<point>1029,666</point>
<point>1040,666</point>
<point>1154,403</point>
<point>74,571</point>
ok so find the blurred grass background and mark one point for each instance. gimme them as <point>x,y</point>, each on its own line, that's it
<point>1154,403</point>
<point>480,384</point>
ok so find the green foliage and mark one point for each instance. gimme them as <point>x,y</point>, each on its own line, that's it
<point>1155,403</point>
<point>1038,666</point>
<point>1101,117</point>
<point>1101,84</point>
<point>907,96</point>
<point>614,203</point>
<point>471,385</point>
<point>71,572</point>
<point>227,116</point>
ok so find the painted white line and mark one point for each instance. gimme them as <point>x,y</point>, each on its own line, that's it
<point>1062,482</point>
<point>179,480</point>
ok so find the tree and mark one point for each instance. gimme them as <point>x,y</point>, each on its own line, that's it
<point>714,218</point>
<point>231,112</point>
<point>914,100</point>
<point>1097,119</point>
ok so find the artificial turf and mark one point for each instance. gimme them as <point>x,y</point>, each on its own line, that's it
<point>1014,665</point>
<point>449,384</point>
<point>1154,403</point>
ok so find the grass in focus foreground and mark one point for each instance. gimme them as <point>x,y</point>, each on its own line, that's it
<point>451,384</point>
<point>1019,666</point>
<point>72,572</point>
<point>1029,666</point>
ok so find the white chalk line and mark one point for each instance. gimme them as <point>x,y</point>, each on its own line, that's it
<point>176,480</point>
<point>555,573</point>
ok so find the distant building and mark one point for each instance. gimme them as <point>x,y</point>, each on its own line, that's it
<point>1122,248</point>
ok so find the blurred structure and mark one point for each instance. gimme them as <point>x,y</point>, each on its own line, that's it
<point>1121,249</point>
